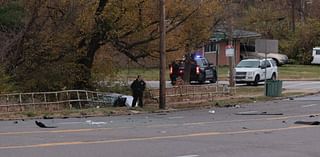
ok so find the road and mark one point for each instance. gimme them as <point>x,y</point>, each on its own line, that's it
<point>291,85</point>
<point>220,132</point>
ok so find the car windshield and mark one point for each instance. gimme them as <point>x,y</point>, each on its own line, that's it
<point>248,64</point>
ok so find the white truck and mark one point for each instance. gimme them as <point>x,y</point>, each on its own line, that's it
<point>253,71</point>
<point>316,55</point>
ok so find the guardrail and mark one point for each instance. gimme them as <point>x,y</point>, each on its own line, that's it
<point>58,100</point>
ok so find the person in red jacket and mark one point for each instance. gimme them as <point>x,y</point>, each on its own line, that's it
<point>137,88</point>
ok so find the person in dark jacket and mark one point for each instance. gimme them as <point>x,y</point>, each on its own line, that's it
<point>137,88</point>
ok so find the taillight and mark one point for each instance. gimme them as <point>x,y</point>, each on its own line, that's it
<point>171,70</point>
<point>197,70</point>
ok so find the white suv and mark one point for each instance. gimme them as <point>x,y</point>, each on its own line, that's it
<point>254,71</point>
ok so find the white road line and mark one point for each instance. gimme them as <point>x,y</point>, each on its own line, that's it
<point>309,105</point>
<point>178,117</point>
<point>188,156</point>
<point>246,112</point>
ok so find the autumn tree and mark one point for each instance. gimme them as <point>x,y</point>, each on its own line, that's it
<point>58,42</point>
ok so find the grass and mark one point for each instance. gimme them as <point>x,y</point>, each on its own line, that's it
<point>299,72</point>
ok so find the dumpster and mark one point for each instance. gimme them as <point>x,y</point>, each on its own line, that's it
<point>273,88</point>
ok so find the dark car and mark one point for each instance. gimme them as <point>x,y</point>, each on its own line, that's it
<point>201,71</point>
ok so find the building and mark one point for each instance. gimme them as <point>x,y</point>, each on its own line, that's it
<point>215,49</point>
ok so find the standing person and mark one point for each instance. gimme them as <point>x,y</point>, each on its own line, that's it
<point>137,88</point>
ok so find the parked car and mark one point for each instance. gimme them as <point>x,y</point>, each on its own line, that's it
<point>201,70</point>
<point>316,55</point>
<point>279,58</point>
<point>253,71</point>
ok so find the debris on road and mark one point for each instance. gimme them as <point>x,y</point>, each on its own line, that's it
<point>15,122</point>
<point>95,123</point>
<point>212,111</point>
<point>47,117</point>
<point>257,113</point>
<point>42,125</point>
<point>307,122</point>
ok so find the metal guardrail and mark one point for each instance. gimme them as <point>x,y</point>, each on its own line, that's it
<point>62,99</point>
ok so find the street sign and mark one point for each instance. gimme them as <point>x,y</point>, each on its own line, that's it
<point>229,51</point>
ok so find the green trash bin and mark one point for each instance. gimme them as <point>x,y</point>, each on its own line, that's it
<point>273,88</point>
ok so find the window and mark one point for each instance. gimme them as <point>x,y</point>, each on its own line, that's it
<point>317,52</point>
<point>268,64</point>
<point>210,48</point>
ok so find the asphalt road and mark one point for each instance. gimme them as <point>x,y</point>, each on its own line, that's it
<point>207,132</point>
<point>293,85</point>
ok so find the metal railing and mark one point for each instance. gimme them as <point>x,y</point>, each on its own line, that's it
<point>67,99</point>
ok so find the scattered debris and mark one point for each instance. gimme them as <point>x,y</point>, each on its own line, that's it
<point>244,128</point>
<point>47,117</point>
<point>95,123</point>
<point>15,122</point>
<point>232,106</point>
<point>134,111</point>
<point>257,113</point>
<point>212,111</point>
<point>291,98</point>
<point>41,125</point>
<point>163,132</point>
<point>307,122</point>
<point>311,116</point>
<point>284,122</point>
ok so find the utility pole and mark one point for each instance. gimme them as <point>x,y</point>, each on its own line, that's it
<point>162,92</point>
<point>293,18</point>
<point>230,43</point>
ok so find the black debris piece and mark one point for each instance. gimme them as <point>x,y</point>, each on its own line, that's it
<point>41,125</point>
<point>258,113</point>
<point>120,102</point>
<point>311,116</point>
<point>15,122</point>
<point>307,122</point>
<point>47,117</point>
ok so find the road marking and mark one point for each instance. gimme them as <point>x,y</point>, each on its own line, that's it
<point>309,105</point>
<point>200,134</point>
<point>178,117</point>
<point>154,126</point>
<point>246,112</point>
<point>188,156</point>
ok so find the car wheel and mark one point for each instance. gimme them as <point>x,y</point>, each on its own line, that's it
<point>202,78</point>
<point>256,80</point>
<point>273,77</point>
<point>213,80</point>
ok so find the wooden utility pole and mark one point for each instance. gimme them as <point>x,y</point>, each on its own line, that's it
<point>293,18</point>
<point>162,92</point>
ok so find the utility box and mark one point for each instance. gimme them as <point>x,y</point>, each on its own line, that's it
<point>273,88</point>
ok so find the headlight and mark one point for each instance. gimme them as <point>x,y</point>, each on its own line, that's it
<point>249,73</point>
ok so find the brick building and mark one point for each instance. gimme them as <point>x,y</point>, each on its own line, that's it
<point>215,49</point>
